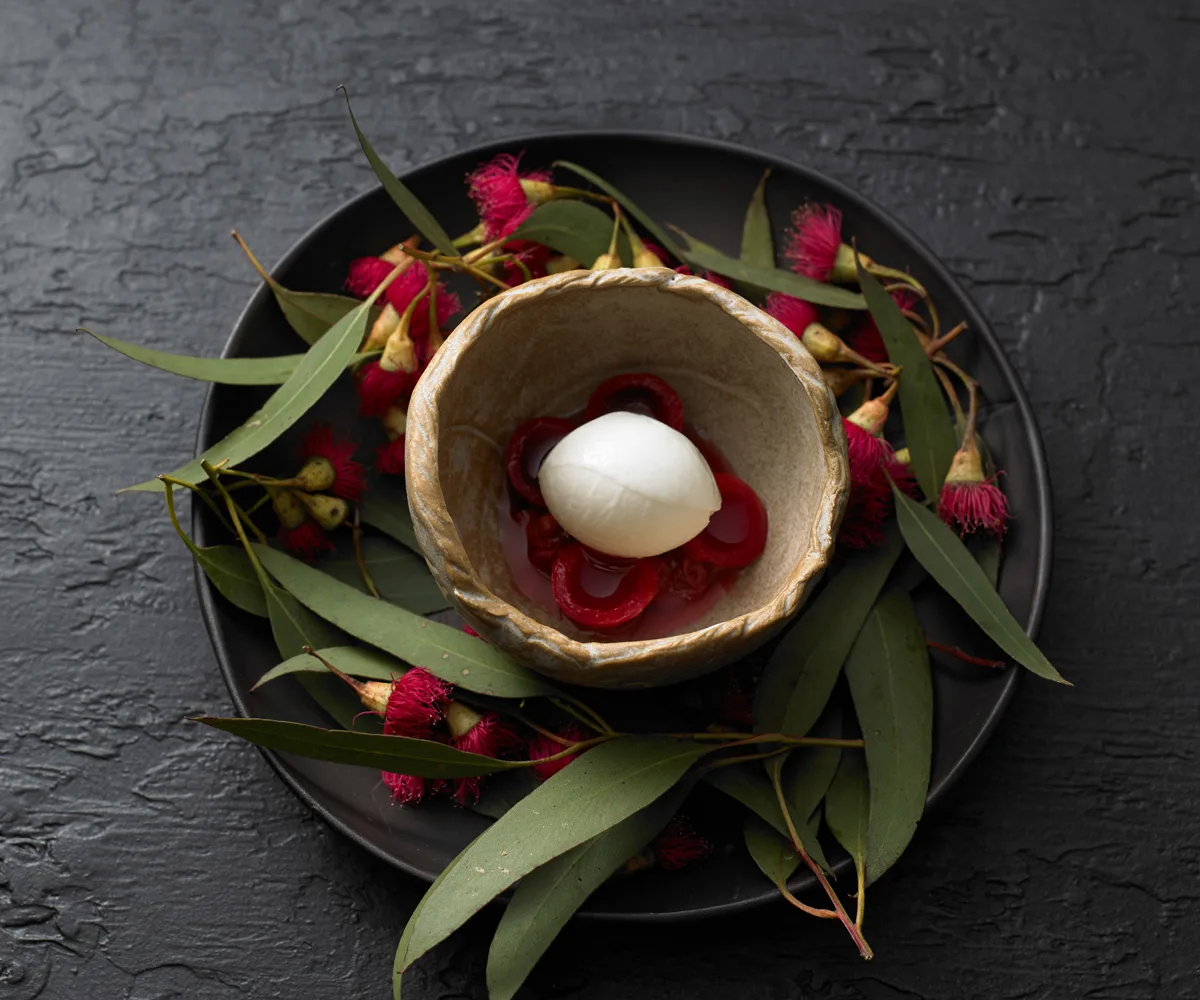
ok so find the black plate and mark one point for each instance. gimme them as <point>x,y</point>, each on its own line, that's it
<point>702,186</point>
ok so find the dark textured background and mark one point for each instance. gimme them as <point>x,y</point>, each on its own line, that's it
<point>1051,159</point>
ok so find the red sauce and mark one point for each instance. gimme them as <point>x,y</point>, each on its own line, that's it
<point>670,613</point>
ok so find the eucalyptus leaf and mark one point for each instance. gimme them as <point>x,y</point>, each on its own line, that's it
<point>888,671</point>
<point>293,628</point>
<point>405,200</point>
<point>949,562</point>
<point>987,553</point>
<point>806,776</point>
<point>928,426</point>
<point>228,569</point>
<point>421,758</point>
<point>447,652</point>
<point>356,661</point>
<point>799,677</point>
<point>600,789</point>
<point>575,228</point>
<point>658,232</point>
<point>226,371</point>
<point>312,314</point>
<point>848,809</point>
<point>758,246</point>
<point>749,785</point>
<point>503,791</point>
<point>309,381</point>
<point>547,898</point>
<point>387,512</point>
<point>776,279</point>
<point>771,852</point>
<point>399,575</point>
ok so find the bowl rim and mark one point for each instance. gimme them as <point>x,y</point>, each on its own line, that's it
<point>623,663</point>
<point>980,328</point>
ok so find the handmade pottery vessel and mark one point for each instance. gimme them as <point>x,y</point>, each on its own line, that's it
<point>746,382</point>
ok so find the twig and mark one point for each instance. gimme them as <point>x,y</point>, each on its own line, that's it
<point>958,654</point>
<point>356,537</point>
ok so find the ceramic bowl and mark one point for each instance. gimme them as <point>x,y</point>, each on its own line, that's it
<point>746,382</point>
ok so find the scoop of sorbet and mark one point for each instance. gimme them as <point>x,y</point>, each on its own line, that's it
<point>629,486</point>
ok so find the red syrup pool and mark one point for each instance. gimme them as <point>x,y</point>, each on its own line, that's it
<point>689,589</point>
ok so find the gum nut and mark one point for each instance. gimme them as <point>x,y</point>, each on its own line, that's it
<point>628,485</point>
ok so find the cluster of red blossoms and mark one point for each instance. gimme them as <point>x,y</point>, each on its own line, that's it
<point>420,705</point>
<point>317,499</point>
<point>970,501</point>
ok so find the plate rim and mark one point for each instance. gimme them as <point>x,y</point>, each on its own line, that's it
<point>979,326</point>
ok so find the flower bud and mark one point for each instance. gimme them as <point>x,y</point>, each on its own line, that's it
<point>329,512</point>
<point>824,345</point>
<point>537,191</point>
<point>316,476</point>
<point>395,422</point>
<point>844,269</point>
<point>607,262</point>
<point>556,265</point>
<point>288,508</point>
<point>840,380</point>
<point>461,719</point>
<point>903,456</point>
<point>400,353</point>
<point>873,414</point>
<point>383,327</point>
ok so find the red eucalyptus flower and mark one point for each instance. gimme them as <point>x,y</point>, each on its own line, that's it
<point>816,241</point>
<point>306,540</point>
<point>389,458</point>
<point>379,389</point>
<point>415,704</point>
<point>366,274</point>
<point>485,734</point>
<point>867,452</point>
<point>796,314</point>
<point>406,789</point>
<point>970,501</point>
<point>679,845</point>
<point>325,453</point>
<point>503,195</point>
<point>542,746</point>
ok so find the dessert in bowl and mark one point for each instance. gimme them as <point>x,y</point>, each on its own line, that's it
<point>753,397</point>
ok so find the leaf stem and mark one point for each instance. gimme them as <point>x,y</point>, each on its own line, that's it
<point>860,942</point>
<point>582,712</point>
<point>934,346</point>
<point>212,504</point>
<point>948,388</point>
<point>860,899</point>
<point>791,741</point>
<point>812,911</point>
<point>356,537</point>
<point>254,260</point>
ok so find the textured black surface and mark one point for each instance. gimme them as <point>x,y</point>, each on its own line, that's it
<point>1051,160</point>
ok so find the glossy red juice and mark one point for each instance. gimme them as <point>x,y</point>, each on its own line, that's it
<point>668,614</point>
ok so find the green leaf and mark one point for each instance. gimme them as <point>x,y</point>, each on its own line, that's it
<point>400,576</point>
<point>987,553</point>
<point>799,677</point>
<point>405,200</point>
<point>574,228</point>
<point>310,380</point>
<point>771,852</point>
<point>947,560</point>
<point>293,628</point>
<point>600,789</point>
<point>227,371</point>
<point>748,784</point>
<point>652,227</point>
<point>758,246</point>
<point>807,773</point>
<point>503,791</point>
<point>548,897</point>
<point>848,808</point>
<point>888,671</point>
<point>928,427</point>
<point>312,314</point>
<point>447,652</point>
<point>228,569</point>
<point>386,511</point>
<point>422,758</point>
<point>353,660</point>
<point>774,278</point>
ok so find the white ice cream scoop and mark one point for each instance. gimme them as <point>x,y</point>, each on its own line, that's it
<point>628,485</point>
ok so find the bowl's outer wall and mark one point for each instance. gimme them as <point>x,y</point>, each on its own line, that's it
<point>702,186</point>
